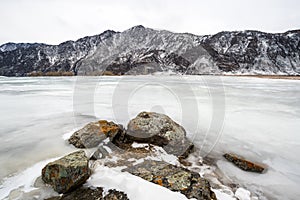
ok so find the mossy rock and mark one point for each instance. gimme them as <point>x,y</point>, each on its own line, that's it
<point>67,173</point>
<point>161,130</point>
<point>174,178</point>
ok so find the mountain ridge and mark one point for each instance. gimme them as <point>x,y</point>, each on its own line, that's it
<point>119,53</point>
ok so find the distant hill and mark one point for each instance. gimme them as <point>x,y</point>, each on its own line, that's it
<point>141,50</point>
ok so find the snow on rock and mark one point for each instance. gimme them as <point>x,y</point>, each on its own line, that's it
<point>223,196</point>
<point>136,188</point>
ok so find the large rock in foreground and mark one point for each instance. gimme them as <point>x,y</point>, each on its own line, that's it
<point>92,194</point>
<point>155,128</point>
<point>67,173</point>
<point>174,178</point>
<point>94,133</point>
<point>244,164</point>
<point>161,130</point>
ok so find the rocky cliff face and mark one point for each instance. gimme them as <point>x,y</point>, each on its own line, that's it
<point>141,50</point>
<point>144,61</point>
<point>22,59</point>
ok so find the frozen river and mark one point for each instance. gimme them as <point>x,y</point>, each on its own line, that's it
<point>256,118</point>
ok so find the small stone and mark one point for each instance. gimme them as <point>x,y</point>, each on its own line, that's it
<point>244,164</point>
<point>67,173</point>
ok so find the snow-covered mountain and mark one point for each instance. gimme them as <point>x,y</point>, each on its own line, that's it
<point>22,59</point>
<point>145,61</point>
<point>141,50</point>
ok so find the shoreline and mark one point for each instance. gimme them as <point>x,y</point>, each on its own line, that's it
<point>287,77</point>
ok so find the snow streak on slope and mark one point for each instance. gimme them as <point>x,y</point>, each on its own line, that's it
<point>242,52</point>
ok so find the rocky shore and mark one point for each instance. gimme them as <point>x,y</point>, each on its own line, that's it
<point>153,147</point>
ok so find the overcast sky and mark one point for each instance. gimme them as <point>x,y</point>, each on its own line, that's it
<point>55,21</point>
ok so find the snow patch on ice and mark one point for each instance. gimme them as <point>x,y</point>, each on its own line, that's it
<point>24,180</point>
<point>222,195</point>
<point>242,194</point>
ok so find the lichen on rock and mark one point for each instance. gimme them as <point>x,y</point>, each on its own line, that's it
<point>244,164</point>
<point>84,193</point>
<point>175,178</point>
<point>67,173</point>
<point>161,130</point>
<point>92,134</point>
<point>115,195</point>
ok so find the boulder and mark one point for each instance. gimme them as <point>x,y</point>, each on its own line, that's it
<point>94,133</point>
<point>67,173</point>
<point>161,130</point>
<point>155,128</point>
<point>174,178</point>
<point>81,193</point>
<point>244,164</point>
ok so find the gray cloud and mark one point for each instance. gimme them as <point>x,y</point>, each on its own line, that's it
<point>54,21</point>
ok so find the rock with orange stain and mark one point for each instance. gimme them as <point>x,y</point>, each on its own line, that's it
<point>67,173</point>
<point>94,133</point>
<point>175,178</point>
<point>244,164</point>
